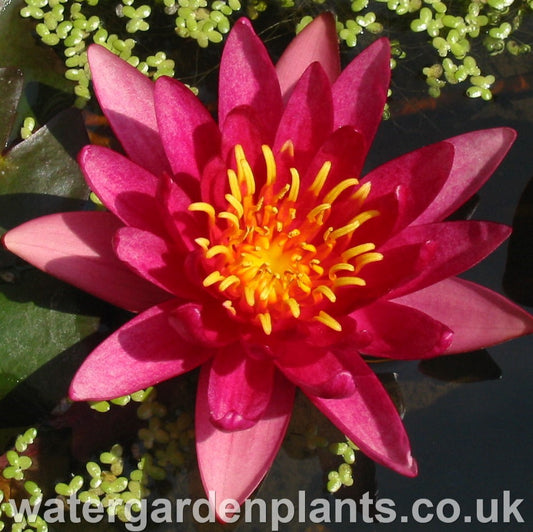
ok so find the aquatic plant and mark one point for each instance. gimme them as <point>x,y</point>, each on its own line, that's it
<point>291,263</point>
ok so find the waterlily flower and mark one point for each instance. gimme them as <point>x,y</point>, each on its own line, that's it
<point>254,248</point>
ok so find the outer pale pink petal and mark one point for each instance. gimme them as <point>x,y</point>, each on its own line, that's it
<point>233,463</point>
<point>360,92</point>
<point>369,418</point>
<point>126,189</point>
<point>239,388</point>
<point>155,259</point>
<point>477,316</point>
<point>308,118</point>
<point>190,135</point>
<point>477,155</point>
<point>126,96</point>
<point>76,247</point>
<point>248,77</point>
<point>458,246</point>
<point>145,351</point>
<point>316,42</point>
<point>397,331</point>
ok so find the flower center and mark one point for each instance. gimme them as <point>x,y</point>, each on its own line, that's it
<point>271,252</point>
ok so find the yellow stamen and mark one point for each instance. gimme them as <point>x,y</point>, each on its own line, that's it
<point>294,307</point>
<point>212,278</point>
<point>348,281</point>
<point>317,214</point>
<point>326,291</point>
<point>228,304</point>
<point>234,184</point>
<point>249,295</point>
<point>338,189</point>
<point>320,178</point>
<point>295,185</point>
<point>341,266</point>
<point>357,250</point>
<point>328,321</point>
<point>228,281</point>
<point>236,204</point>
<point>219,249</point>
<point>362,193</point>
<point>230,217</point>
<point>266,322</point>
<point>201,206</point>
<point>203,243</point>
<point>343,231</point>
<point>288,147</point>
<point>270,164</point>
<point>367,258</point>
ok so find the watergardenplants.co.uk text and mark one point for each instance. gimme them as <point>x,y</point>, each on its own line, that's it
<point>140,513</point>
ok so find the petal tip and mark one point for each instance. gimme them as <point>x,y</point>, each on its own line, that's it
<point>232,421</point>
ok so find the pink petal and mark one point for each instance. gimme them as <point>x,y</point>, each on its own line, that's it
<point>316,42</point>
<point>308,118</point>
<point>155,259</point>
<point>143,352</point>
<point>360,92</point>
<point>418,176</point>
<point>345,149</point>
<point>397,331</point>
<point>248,77</point>
<point>205,325</point>
<point>239,388</point>
<point>477,155</point>
<point>129,107</point>
<point>477,316</point>
<point>240,128</point>
<point>190,135</point>
<point>369,418</point>
<point>126,189</point>
<point>458,246</point>
<point>233,463</point>
<point>316,371</point>
<point>76,247</point>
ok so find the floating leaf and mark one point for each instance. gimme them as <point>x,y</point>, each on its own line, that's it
<point>41,317</point>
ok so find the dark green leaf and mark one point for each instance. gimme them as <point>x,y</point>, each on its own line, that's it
<point>10,89</point>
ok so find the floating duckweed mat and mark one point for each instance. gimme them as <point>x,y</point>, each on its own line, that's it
<point>147,34</point>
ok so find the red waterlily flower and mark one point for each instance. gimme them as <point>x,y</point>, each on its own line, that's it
<point>255,249</point>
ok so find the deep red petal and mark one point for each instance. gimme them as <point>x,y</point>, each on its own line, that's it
<point>397,331</point>
<point>477,316</point>
<point>308,118</point>
<point>248,77</point>
<point>458,246</point>
<point>316,371</point>
<point>129,107</point>
<point>369,418</point>
<point>155,259</point>
<point>190,135</point>
<point>145,351</point>
<point>239,388</point>
<point>126,189</point>
<point>477,155</point>
<point>318,41</point>
<point>233,463</point>
<point>76,247</point>
<point>360,92</point>
<point>417,177</point>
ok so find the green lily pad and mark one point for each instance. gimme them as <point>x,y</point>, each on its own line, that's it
<point>11,89</point>
<point>41,317</point>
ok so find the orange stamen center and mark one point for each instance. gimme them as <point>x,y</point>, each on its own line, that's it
<point>274,257</point>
